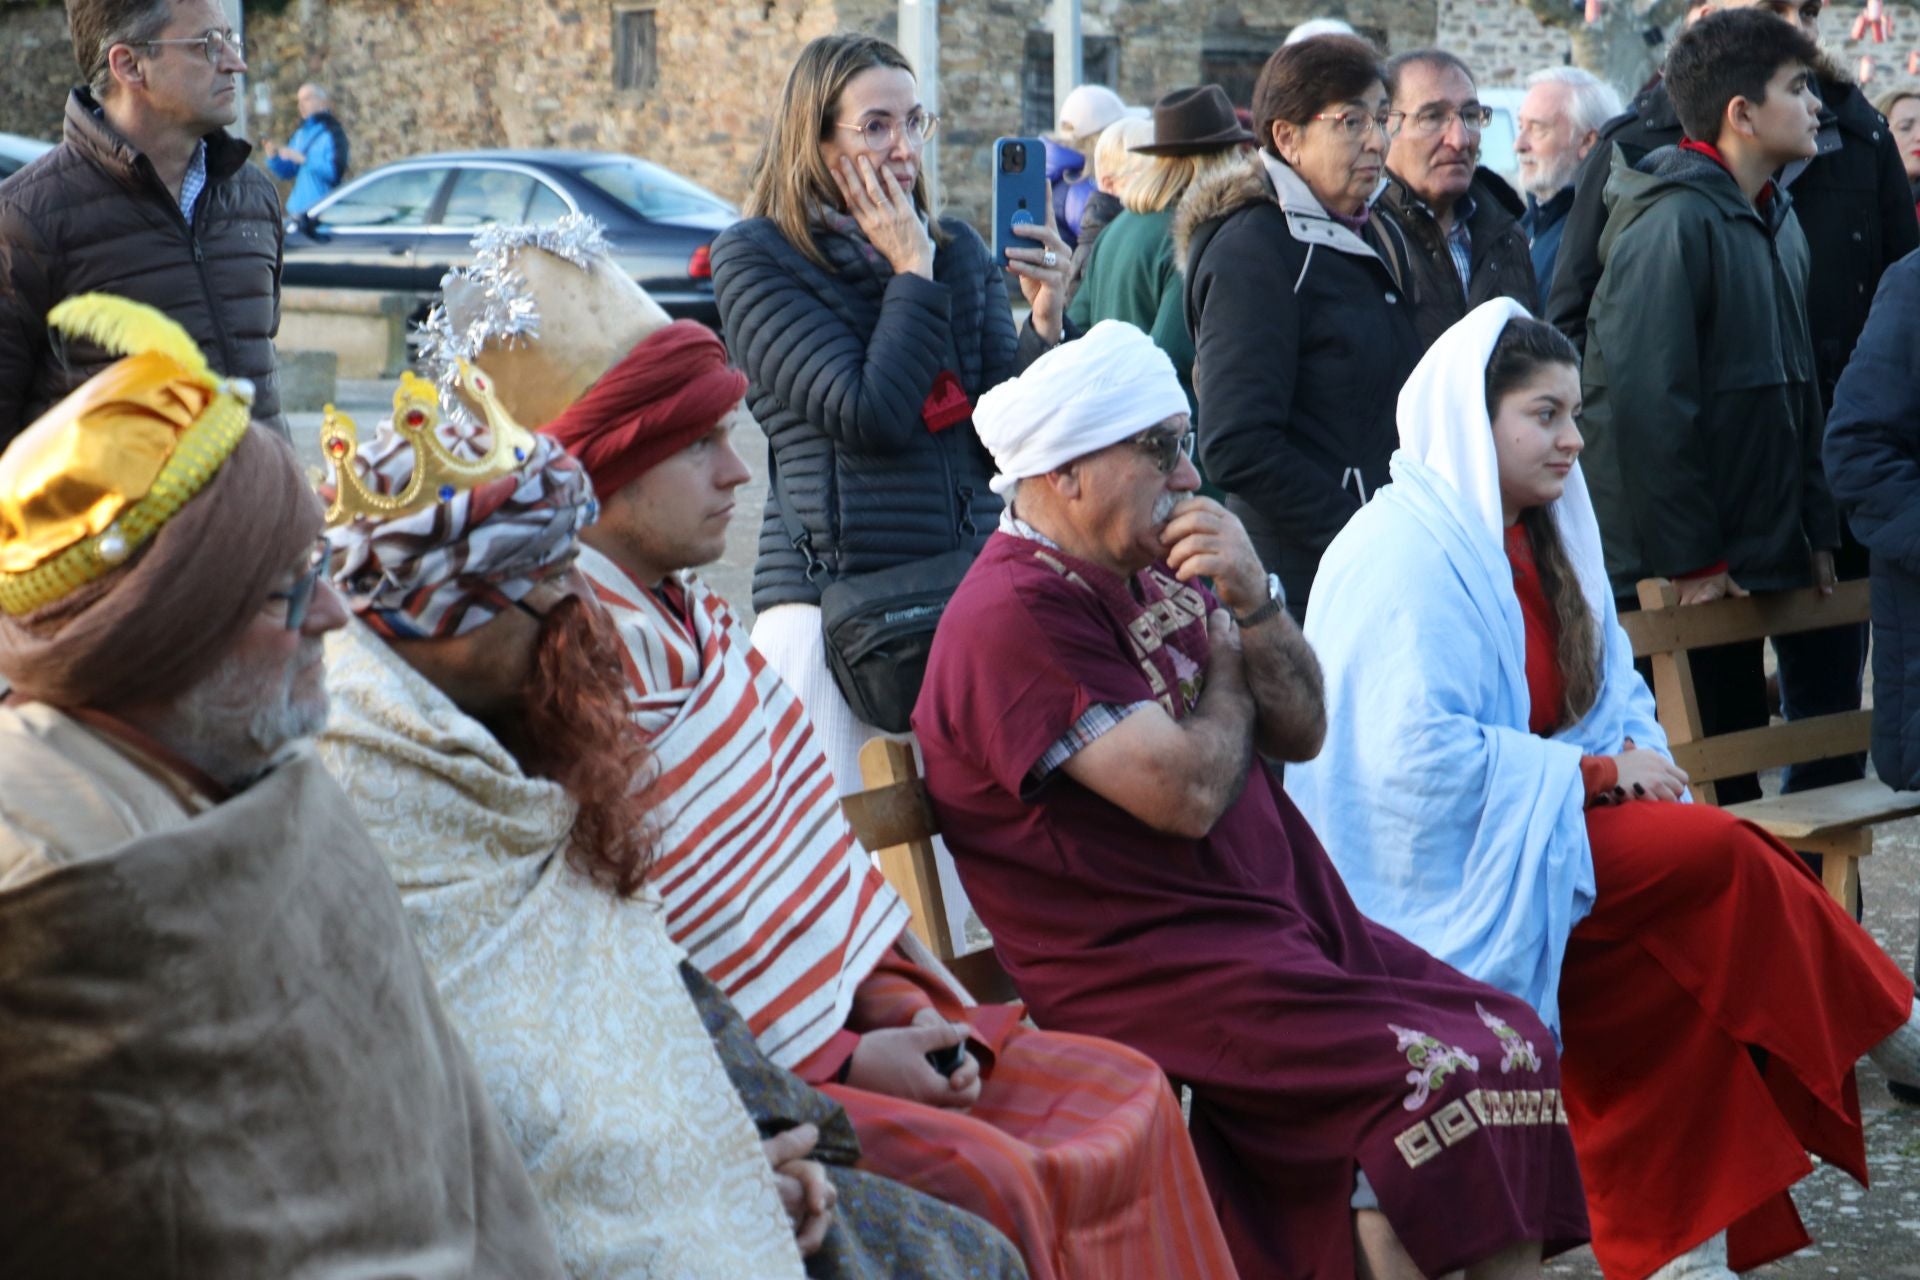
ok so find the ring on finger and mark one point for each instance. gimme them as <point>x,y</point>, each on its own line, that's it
<point>1050,259</point>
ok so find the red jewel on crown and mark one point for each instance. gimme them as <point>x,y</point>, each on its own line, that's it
<point>337,448</point>
<point>416,417</point>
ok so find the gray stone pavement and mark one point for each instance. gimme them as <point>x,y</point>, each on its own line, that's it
<point>1859,1234</point>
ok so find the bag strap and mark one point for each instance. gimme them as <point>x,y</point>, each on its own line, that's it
<point>797,536</point>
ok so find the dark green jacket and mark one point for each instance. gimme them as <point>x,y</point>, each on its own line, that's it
<point>1131,276</point>
<point>1702,404</point>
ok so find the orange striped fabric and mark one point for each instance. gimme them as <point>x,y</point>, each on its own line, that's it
<point>762,881</point>
<point>1076,1148</point>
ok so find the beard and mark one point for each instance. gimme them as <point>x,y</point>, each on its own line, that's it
<point>240,719</point>
<point>571,726</point>
<point>1550,179</point>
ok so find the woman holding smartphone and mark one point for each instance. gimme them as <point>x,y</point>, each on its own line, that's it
<point>868,327</point>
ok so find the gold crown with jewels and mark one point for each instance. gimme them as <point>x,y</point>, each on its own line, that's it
<point>439,475</point>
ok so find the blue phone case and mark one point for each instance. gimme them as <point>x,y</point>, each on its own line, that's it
<point>1018,197</point>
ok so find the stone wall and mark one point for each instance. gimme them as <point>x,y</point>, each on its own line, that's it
<point>417,75</point>
<point>36,70</point>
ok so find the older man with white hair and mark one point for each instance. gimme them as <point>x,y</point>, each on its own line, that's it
<point>1560,121</point>
<point>1092,720</point>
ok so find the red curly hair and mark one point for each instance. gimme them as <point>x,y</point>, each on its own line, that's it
<point>573,728</point>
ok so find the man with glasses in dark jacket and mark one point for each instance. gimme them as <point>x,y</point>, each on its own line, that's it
<point>148,197</point>
<point>1463,222</point>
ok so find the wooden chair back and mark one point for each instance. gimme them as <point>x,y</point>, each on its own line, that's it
<point>1664,631</point>
<point>894,821</point>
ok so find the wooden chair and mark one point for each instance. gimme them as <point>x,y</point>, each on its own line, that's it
<point>893,819</point>
<point>1836,821</point>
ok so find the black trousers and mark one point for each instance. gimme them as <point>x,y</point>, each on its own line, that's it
<point>1821,672</point>
<point>1730,684</point>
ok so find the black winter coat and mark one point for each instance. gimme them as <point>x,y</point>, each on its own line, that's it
<point>1852,200</point>
<point>1873,465</point>
<point>1502,260</point>
<point>840,365</point>
<point>1302,339</point>
<point>1702,418</point>
<point>92,216</point>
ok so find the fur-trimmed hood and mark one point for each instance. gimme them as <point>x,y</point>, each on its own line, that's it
<point>1215,195</point>
<point>1263,180</point>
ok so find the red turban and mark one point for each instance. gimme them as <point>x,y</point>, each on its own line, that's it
<point>670,390</point>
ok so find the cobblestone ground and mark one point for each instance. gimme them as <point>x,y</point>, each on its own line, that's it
<point>1871,1234</point>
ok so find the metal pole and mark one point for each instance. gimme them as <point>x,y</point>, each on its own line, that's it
<point>238,10</point>
<point>920,41</point>
<point>1066,51</point>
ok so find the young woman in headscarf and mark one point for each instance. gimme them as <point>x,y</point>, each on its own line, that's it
<point>1495,787</point>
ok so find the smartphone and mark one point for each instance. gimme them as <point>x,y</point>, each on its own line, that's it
<point>1020,192</point>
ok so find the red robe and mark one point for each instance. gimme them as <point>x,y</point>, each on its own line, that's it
<point>1713,1004</point>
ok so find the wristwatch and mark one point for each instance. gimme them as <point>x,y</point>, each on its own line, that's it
<point>1275,602</point>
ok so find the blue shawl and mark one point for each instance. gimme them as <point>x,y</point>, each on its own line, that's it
<point>1450,821</point>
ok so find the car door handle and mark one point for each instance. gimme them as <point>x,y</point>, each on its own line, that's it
<point>399,250</point>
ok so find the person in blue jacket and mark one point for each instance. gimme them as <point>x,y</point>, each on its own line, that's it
<point>315,157</point>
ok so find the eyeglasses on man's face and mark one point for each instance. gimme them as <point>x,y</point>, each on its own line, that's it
<point>299,597</point>
<point>881,133</point>
<point>1355,124</point>
<point>1165,448</point>
<point>215,45</point>
<point>1429,122</point>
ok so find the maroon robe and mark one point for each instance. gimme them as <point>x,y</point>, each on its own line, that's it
<point>1313,1039</point>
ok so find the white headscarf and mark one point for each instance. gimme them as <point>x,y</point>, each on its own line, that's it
<point>1083,395</point>
<point>1444,424</point>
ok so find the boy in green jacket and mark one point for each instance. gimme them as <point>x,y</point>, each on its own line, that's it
<point>1703,416</point>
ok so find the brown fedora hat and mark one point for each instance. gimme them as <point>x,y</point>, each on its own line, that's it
<point>1192,120</point>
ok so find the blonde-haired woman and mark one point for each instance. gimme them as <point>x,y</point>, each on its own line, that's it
<point>867,326</point>
<point>1131,275</point>
<point>1901,107</point>
<point>1115,165</point>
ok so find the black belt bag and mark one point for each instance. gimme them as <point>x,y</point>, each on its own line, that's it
<point>879,626</point>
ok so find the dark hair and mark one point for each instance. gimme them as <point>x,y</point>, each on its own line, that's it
<point>1301,79</point>
<point>1730,53</point>
<point>98,25</point>
<point>1398,64</point>
<point>1525,347</point>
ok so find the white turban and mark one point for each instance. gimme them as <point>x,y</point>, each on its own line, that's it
<point>1081,396</point>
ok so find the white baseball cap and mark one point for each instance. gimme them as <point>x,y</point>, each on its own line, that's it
<point>1089,109</point>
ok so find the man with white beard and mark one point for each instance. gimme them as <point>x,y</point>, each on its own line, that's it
<point>1559,124</point>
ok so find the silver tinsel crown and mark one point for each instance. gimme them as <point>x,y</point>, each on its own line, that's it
<point>506,312</point>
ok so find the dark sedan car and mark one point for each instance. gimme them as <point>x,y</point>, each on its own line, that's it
<point>401,227</point>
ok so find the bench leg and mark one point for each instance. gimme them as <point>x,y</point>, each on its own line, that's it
<point>1841,875</point>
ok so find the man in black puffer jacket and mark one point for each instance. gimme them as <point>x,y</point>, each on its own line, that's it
<point>147,197</point>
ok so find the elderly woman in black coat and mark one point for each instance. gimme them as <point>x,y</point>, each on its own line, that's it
<point>868,327</point>
<point>1302,332</point>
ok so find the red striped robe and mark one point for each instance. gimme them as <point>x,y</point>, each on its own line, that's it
<point>1075,1149</point>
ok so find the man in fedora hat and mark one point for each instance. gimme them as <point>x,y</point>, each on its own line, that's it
<point>1462,221</point>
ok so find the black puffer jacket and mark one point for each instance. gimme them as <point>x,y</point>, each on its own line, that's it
<point>1873,463</point>
<point>1502,261</point>
<point>840,365</point>
<point>1302,339</point>
<point>92,216</point>
<point>1852,200</point>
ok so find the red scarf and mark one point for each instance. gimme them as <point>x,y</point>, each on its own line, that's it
<point>670,390</point>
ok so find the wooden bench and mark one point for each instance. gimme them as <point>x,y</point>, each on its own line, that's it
<point>893,819</point>
<point>1836,821</point>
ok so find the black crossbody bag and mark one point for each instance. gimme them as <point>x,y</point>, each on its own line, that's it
<point>879,626</point>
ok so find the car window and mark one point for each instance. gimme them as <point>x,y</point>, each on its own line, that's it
<point>391,200</point>
<point>652,192</point>
<point>547,206</point>
<point>482,197</point>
